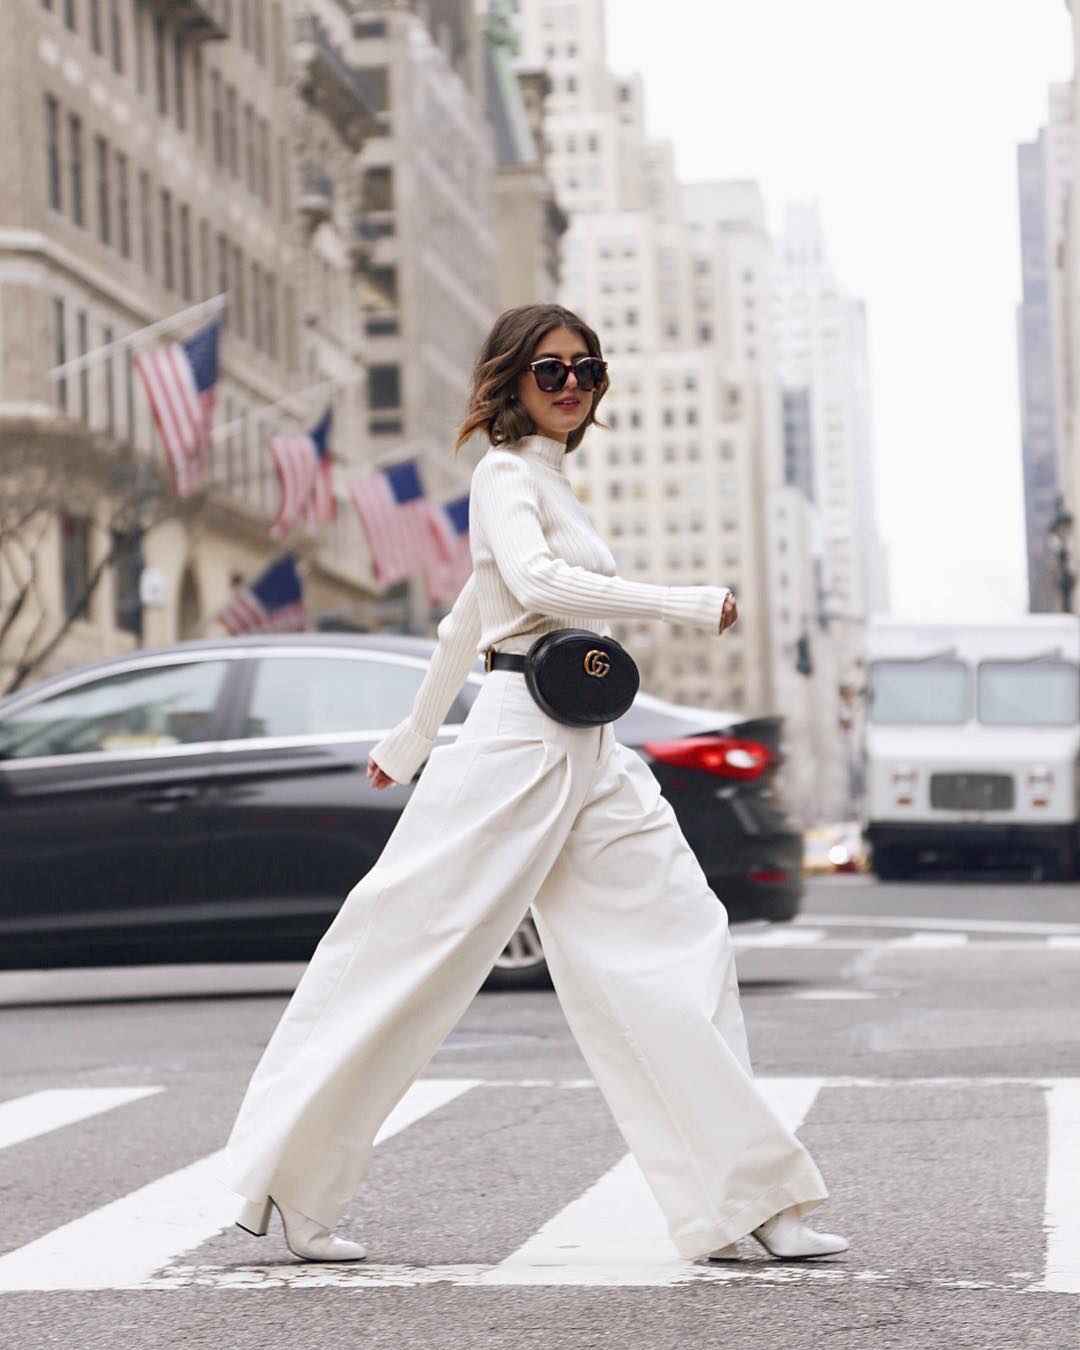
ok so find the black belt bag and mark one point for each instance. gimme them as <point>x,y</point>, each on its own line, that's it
<point>577,677</point>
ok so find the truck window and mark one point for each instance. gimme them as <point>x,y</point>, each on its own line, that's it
<point>919,693</point>
<point>1028,693</point>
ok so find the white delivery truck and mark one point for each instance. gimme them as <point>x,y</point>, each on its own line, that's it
<point>972,738</point>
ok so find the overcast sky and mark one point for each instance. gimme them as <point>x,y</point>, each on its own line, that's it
<point>902,121</point>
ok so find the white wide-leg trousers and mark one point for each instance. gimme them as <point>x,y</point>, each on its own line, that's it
<point>521,810</point>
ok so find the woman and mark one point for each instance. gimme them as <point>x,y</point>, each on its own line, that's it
<point>524,810</point>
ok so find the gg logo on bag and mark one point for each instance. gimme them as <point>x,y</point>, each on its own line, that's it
<point>596,663</point>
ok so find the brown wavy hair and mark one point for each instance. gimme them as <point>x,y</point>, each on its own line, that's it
<point>494,407</point>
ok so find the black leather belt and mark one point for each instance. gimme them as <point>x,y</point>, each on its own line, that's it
<point>494,660</point>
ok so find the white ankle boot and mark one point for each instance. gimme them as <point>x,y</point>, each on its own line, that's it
<point>788,1238</point>
<point>303,1236</point>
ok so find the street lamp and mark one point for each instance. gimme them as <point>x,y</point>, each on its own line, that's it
<point>1060,531</point>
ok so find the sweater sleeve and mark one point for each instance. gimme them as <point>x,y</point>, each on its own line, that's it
<point>403,749</point>
<point>505,501</point>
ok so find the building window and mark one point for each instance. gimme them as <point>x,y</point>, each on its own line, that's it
<point>160,71</point>
<point>217,119</point>
<point>290,328</point>
<point>198,93</point>
<point>60,350</point>
<point>146,222</point>
<point>127,611</point>
<point>75,565</point>
<point>179,82</point>
<point>76,167</point>
<point>284,196</point>
<point>206,260</point>
<point>187,284</point>
<point>52,138</point>
<point>104,206</point>
<point>259,33</point>
<point>69,14</point>
<point>167,272</point>
<point>139,38</point>
<point>249,148</point>
<point>271,317</point>
<point>95,27</point>
<point>107,337</point>
<point>82,330</point>
<point>384,387</point>
<point>116,37</point>
<point>222,264</point>
<point>232,131</point>
<point>239,293</point>
<point>256,306</point>
<point>264,162</point>
<point>123,206</point>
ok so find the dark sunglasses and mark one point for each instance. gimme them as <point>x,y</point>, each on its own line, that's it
<point>551,374</point>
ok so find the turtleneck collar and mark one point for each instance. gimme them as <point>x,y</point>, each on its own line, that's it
<point>544,448</point>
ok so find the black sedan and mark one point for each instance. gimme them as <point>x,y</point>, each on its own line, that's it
<point>209,801</point>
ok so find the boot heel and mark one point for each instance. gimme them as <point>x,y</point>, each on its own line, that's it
<point>254,1217</point>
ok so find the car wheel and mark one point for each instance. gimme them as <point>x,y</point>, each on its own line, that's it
<point>522,964</point>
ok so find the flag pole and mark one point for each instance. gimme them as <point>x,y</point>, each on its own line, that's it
<point>139,336</point>
<point>282,403</point>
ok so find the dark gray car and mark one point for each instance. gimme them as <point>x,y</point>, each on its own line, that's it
<point>209,801</point>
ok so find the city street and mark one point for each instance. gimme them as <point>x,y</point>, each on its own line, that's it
<point>923,1037</point>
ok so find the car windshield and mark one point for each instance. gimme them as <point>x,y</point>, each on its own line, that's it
<point>1029,693</point>
<point>919,693</point>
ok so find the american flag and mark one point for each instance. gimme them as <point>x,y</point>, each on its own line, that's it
<point>181,380</point>
<point>393,511</point>
<point>450,562</point>
<point>273,603</point>
<point>305,476</point>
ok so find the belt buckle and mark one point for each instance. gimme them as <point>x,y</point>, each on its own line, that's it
<point>487,658</point>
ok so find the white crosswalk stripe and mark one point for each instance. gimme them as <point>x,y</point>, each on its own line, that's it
<point>614,1234</point>
<point>611,1234</point>
<point>40,1112</point>
<point>122,1244</point>
<point>1062,1272</point>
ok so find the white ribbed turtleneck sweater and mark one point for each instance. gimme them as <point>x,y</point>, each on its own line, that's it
<point>538,565</point>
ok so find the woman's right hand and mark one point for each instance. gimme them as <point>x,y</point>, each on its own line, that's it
<point>729,613</point>
<point>376,777</point>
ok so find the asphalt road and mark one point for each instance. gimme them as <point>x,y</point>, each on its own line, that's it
<point>926,1036</point>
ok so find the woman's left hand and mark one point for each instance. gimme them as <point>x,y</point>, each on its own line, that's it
<point>729,613</point>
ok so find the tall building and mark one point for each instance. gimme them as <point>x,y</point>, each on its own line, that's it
<point>153,167</point>
<point>528,219</point>
<point>672,480</point>
<point>1044,175</point>
<point>822,356</point>
<point>707,471</point>
<point>328,167</point>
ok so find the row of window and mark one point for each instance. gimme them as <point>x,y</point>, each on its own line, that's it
<point>240,136</point>
<point>188,257</point>
<point>104,24</point>
<point>636,454</point>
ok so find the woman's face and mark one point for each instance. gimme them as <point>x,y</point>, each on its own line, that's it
<point>556,415</point>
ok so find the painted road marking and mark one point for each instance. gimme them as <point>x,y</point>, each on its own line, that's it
<point>121,1244</point>
<point>930,940</point>
<point>135,1242</point>
<point>1062,1206</point>
<point>614,1233</point>
<point>39,1112</point>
